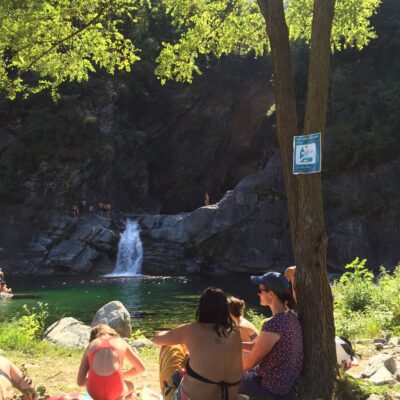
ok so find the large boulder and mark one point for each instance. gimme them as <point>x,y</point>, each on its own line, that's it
<point>72,254</point>
<point>68,332</point>
<point>115,315</point>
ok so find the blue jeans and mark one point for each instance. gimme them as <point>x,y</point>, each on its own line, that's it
<point>251,385</point>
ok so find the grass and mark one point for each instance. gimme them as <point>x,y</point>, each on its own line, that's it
<point>56,367</point>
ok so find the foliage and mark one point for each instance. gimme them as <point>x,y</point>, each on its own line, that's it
<point>41,391</point>
<point>348,388</point>
<point>137,334</point>
<point>23,333</point>
<point>256,319</point>
<point>356,287</point>
<point>221,27</point>
<point>364,305</point>
<point>351,25</point>
<point>45,43</point>
<point>61,40</point>
<point>209,27</point>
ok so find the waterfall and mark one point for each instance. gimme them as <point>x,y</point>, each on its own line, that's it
<point>130,251</point>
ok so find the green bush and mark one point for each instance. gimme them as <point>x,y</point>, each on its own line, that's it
<point>348,388</point>
<point>256,319</point>
<point>366,305</point>
<point>24,332</point>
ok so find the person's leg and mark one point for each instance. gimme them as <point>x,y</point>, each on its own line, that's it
<point>251,386</point>
<point>129,391</point>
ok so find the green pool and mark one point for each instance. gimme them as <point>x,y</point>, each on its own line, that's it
<point>153,302</point>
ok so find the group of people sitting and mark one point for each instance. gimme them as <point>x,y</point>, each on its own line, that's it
<point>223,355</point>
<point>217,357</point>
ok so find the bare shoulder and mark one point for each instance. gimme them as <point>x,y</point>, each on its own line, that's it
<point>247,324</point>
<point>92,345</point>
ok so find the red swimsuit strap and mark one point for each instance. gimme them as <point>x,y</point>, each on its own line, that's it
<point>105,344</point>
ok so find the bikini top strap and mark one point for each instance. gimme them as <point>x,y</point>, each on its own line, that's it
<point>222,384</point>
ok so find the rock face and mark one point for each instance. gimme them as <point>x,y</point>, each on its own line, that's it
<point>68,332</point>
<point>74,245</point>
<point>115,315</point>
<point>247,231</point>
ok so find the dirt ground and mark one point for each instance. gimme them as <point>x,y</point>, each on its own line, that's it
<point>57,372</point>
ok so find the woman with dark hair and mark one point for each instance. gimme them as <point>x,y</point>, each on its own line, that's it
<point>248,332</point>
<point>214,368</point>
<point>274,362</point>
<point>101,366</point>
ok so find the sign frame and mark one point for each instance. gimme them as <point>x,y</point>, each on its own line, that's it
<point>307,154</point>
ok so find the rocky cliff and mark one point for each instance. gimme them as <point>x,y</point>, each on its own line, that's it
<point>154,151</point>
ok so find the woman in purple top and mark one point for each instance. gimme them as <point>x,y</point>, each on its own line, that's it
<point>274,361</point>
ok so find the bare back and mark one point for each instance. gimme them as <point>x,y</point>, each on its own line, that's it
<point>106,361</point>
<point>217,358</point>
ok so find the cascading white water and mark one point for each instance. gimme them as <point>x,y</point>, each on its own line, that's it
<point>130,251</point>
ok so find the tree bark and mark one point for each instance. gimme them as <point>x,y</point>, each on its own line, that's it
<point>304,192</point>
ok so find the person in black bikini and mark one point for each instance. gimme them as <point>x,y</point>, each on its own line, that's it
<point>214,368</point>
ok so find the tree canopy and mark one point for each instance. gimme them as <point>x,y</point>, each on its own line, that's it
<point>44,43</point>
<point>218,27</point>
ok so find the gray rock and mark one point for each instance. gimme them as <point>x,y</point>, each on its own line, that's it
<point>379,346</point>
<point>68,332</point>
<point>394,341</point>
<point>380,340</point>
<point>382,377</point>
<point>378,361</point>
<point>115,315</point>
<point>73,255</point>
<point>104,240</point>
<point>376,397</point>
<point>139,343</point>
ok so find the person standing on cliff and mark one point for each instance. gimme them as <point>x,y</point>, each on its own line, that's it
<point>207,199</point>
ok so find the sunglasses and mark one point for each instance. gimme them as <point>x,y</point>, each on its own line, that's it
<point>259,291</point>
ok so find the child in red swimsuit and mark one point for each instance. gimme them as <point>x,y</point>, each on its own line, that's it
<point>101,366</point>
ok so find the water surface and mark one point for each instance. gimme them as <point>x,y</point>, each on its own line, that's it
<point>153,302</point>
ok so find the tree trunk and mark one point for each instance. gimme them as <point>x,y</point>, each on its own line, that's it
<point>304,192</point>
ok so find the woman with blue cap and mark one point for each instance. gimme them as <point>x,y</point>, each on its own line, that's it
<point>274,362</point>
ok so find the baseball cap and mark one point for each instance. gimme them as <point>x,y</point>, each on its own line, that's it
<point>274,281</point>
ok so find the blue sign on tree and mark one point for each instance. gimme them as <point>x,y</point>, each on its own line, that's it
<point>307,154</point>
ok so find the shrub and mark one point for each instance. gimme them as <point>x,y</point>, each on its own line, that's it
<point>22,333</point>
<point>256,319</point>
<point>348,388</point>
<point>366,305</point>
<point>355,289</point>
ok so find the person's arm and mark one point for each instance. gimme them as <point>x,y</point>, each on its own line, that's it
<point>21,383</point>
<point>81,379</point>
<point>174,336</point>
<point>247,346</point>
<point>134,359</point>
<point>262,346</point>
